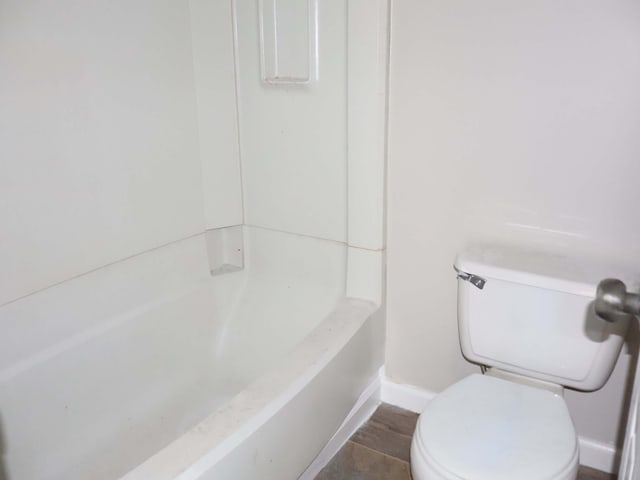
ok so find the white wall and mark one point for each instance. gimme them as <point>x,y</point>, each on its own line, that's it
<point>99,141</point>
<point>514,122</point>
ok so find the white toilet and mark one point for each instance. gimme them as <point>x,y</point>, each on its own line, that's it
<point>529,318</point>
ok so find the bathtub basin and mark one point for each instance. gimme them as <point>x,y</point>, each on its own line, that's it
<point>151,368</point>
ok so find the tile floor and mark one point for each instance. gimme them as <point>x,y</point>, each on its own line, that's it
<point>379,450</point>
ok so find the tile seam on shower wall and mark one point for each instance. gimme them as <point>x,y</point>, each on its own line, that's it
<point>340,242</point>
<point>305,235</point>
<point>100,267</point>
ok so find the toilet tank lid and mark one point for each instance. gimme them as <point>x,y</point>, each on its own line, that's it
<point>578,276</point>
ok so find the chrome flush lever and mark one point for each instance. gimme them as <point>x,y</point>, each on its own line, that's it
<point>613,302</point>
<point>470,277</point>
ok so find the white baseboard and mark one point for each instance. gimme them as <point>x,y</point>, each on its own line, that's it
<point>366,404</point>
<point>599,455</point>
<point>594,454</point>
<point>408,397</point>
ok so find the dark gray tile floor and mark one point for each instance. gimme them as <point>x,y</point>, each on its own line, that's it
<point>379,450</point>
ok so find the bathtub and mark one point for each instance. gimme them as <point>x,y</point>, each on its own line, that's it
<point>152,368</point>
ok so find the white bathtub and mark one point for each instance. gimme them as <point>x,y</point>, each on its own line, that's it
<point>153,369</point>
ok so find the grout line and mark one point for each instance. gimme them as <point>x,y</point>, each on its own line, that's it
<point>389,429</point>
<point>378,452</point>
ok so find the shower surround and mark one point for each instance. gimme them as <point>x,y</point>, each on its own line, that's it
<point>194,248</point>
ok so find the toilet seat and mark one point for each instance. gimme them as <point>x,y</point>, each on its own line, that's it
<point>487,428</point>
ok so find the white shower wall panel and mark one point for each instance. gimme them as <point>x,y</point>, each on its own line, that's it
<point>213,62</point>
<point>293,136</point>
<point>98,136</point>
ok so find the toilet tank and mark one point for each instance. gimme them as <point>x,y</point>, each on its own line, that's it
<point>534,315</point>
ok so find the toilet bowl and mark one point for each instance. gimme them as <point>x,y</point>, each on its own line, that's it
<point>486,428</point>
<point>527,317</point>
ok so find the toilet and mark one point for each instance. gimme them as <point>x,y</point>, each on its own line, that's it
<point>527,319</point>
